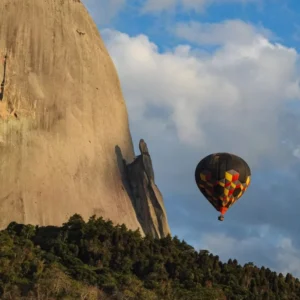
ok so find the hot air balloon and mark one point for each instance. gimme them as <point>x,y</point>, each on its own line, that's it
<point>222,178</point>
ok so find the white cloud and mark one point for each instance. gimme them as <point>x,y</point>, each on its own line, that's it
<point>284,258</point>
<point>104,10</point>
<point>197,5</point>
<point>296,152</point>
<point>226,32</point>
<point>158,5</point>
<point>224,245</point>
<point>288,257</point>
<point>229,100</point>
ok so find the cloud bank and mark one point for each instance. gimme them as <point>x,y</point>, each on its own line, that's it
<point>151,6</point>
<point>229,100</point>
<point>188,102</point>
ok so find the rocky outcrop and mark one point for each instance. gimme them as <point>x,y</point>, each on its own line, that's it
<point>147,199</point>
<point>63,122</point>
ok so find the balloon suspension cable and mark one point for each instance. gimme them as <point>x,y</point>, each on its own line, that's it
<point>221,218</point>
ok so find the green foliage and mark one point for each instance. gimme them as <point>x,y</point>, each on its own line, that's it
<point>96,260</point>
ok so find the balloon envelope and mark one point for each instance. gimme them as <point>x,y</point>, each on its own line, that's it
<point>222,178</point>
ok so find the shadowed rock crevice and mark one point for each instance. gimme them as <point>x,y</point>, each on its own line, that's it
<point>144,193</point>
<point>124,174</point>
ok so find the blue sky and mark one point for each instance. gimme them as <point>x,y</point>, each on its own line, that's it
<point>203,76</point>
<point>280,16</point>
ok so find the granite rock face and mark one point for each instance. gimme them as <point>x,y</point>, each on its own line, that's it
<point>63,121</point>
<point>61,115</point>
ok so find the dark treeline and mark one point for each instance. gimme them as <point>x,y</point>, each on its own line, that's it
<point>96,260</point>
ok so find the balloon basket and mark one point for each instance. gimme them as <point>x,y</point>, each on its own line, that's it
<point>221,218</point>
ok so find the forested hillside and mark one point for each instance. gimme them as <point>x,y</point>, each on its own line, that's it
<point>96,260</point>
